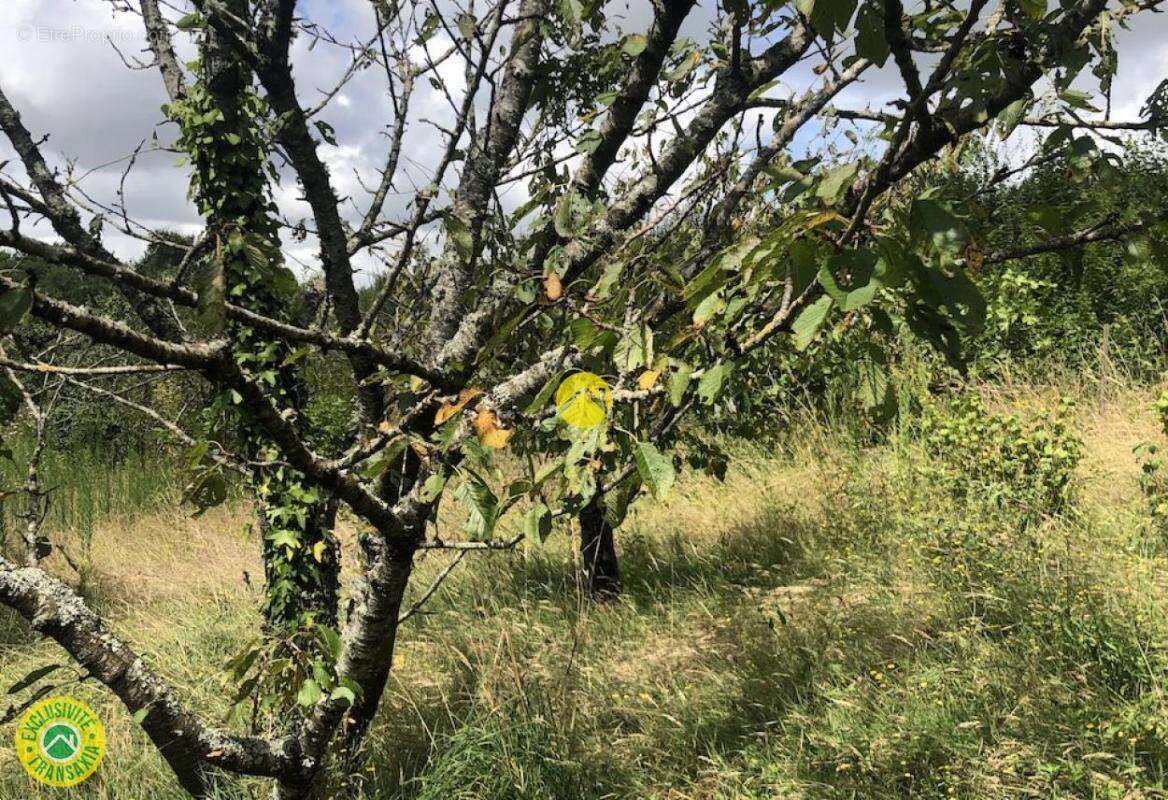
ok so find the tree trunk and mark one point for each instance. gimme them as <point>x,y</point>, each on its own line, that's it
<point>366,658</point>
<point>598,548</point>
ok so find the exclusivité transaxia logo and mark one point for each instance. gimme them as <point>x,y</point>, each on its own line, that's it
<point>60,741</point>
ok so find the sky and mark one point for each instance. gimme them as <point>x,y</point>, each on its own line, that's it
<point>61,65</point>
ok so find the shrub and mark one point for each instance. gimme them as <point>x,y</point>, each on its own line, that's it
<point>1154,471</point>
<point>1024,467</point>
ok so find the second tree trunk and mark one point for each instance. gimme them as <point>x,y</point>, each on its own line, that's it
<point>598,549</point>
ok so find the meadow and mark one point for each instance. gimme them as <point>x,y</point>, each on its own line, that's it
<point>837,619</point>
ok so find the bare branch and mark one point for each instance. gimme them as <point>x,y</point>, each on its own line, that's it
<point>183,739</point>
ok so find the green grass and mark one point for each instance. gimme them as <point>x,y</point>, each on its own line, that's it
<point>829,623</point>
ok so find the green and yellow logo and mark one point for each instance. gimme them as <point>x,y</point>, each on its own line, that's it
<point>60,741</point>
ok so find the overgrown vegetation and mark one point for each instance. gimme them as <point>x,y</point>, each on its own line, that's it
<point>729,464</point>
<point>825,622</point>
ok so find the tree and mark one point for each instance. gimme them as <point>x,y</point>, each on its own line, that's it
<point>668,234</point>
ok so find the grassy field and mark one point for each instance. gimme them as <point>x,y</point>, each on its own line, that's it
<point>830,622</point>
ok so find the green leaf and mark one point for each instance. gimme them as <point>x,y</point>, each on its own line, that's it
<point>481,504</point>
<point>432,488</point>
<point>344,693</point>
<point>706,309</point>
<point>466,25</point>
<point>331,640</point>
<point>835,181</point>
<point>568,217</point>
<point>655,469</point>
<point>678,383</point>
<point>934,224</point>
<point>1077,98</point>
<point>827,16</point>
<point>1035,9</point>
<point>283,537</point>
<point>537,524</point>
<point>634,44</point>
<point>608,279</point>
<point>807,324</point>
<point>10,399</point>
<point>1011,116</point>
<point>327,132</point>
<point>14,305</point>
<point>683,68</point>
<point>139,716</point>
<point>870,41</point>
<point>588,141</point>
<point>540,401</point>
<point>635,350</point>
<point>190,22</point>
<point>710,385</point>
<point>849,278</point>
<point>309,693</point>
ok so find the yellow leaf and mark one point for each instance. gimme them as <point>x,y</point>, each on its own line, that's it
<point>318,551</point>
<point>648,379</point>
<point>583,400</point>
<point>553,287</point>
<point>448,410</point>
<point>490,433</point>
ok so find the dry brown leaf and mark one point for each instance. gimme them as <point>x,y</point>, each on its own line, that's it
<point>490,433</point>
<point>448,410</point>
<point>553,287</point>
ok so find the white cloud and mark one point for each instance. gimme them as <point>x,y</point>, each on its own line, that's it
<point>58,67</point>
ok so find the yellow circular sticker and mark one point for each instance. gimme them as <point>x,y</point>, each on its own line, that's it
<point>60,741</point>
<point>584,399</point>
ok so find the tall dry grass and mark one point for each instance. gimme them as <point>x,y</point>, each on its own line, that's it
<point>827,623</point>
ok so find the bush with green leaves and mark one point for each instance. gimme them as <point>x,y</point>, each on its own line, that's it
<point>1026,468</point>
<point>1056,305</point>
<point>1154,471</point>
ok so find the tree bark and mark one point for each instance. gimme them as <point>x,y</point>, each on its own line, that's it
<point>366,659</point>
<point>601,572</point>
<point>185,742</point>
